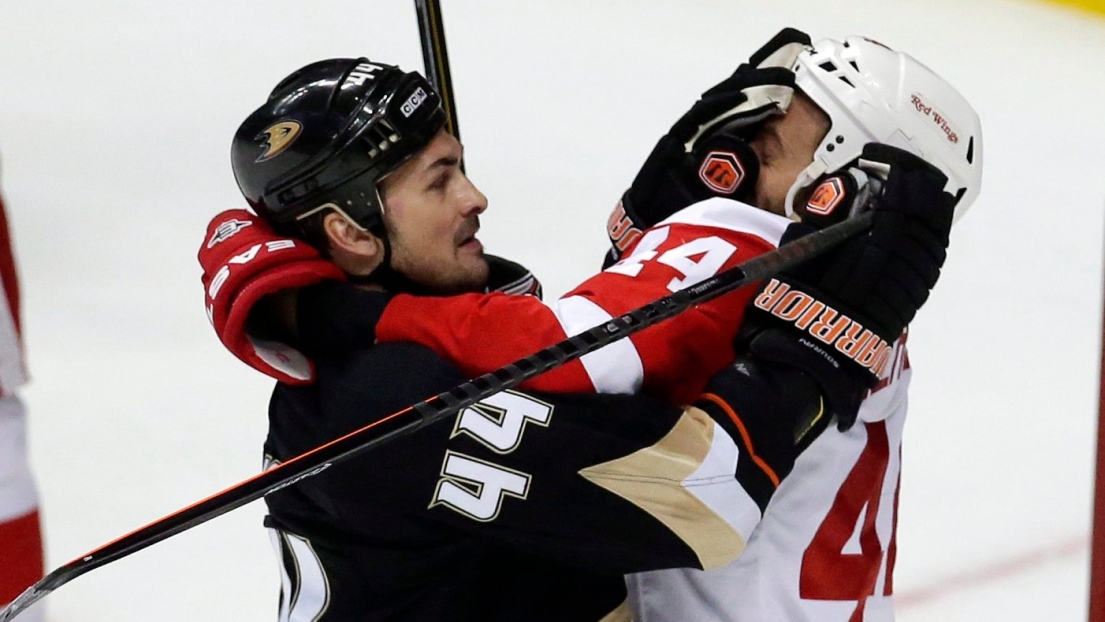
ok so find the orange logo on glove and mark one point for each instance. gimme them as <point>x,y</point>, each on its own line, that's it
<point>721,171</point>
<point>826,197</point>
<point>621,230</point>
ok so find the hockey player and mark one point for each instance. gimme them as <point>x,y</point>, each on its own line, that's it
<point>826,547</point>
<point>426,164</point>
<point>21,557</point>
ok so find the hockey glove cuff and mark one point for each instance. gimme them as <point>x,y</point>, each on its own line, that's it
<point>772,412</point>
<point>244,261</point>
<point>840,380</point>
<point>511,278</point>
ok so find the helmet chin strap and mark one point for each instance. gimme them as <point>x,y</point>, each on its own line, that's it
<point>386,276</point>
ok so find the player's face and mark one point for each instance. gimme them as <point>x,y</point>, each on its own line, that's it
<point>785,148</point>
<point>432,211</point>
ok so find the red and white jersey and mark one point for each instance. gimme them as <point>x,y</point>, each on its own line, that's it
<point>824,550</point>
<point>12,371</point>
<point>671,360</point>
<point>825,547</point>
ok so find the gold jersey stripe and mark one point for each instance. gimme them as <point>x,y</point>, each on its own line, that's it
<point>652,479</point>
<point>621,614</point>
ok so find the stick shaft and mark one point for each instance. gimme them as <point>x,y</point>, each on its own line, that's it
<point>435,57</point>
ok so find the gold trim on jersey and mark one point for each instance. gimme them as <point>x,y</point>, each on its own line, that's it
<point>653,479</point>
<point>621,613</point>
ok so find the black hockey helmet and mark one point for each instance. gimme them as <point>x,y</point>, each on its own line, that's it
<point>327,135</point>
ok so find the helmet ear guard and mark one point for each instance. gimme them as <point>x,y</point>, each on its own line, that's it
<point>873,94</point>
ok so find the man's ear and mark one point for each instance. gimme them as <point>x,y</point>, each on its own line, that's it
<point>356,251</point>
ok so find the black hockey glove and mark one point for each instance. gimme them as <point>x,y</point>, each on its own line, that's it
<point>510,278</point>
<point>837,316</point>
<point>334,317</point>
<point>772,411</point>
<point>706,153</point>
<point>886,275</point>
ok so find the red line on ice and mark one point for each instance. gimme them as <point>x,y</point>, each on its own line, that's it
<point>1001,569</point>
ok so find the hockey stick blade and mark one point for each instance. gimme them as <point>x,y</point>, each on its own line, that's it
<point>443,405</point>
<point>435,58</point>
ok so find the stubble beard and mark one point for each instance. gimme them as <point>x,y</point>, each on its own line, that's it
<point>460,276</point>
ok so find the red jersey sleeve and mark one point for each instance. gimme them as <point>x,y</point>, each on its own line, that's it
<point>482,332</point>
<point>671,360</point>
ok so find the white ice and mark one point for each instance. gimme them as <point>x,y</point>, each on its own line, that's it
<point>115,125</point>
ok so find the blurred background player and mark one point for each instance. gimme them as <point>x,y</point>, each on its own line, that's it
<point>21,555</point>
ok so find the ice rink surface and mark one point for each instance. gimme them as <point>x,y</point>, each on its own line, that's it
<point>115,125</point>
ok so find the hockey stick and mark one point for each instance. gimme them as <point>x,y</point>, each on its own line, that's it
<point>443,405</point>
<point>435,58</point>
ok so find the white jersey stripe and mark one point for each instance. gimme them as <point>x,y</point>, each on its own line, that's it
<point>12,375</point>
<point>734,216</point>
<point>615,368</point>
<point>18,496</point>
<point>714,484</point>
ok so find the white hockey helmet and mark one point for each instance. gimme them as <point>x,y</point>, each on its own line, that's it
<point>874,94</point>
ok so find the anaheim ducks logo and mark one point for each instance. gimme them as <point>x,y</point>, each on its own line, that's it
<point>277,137</point>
